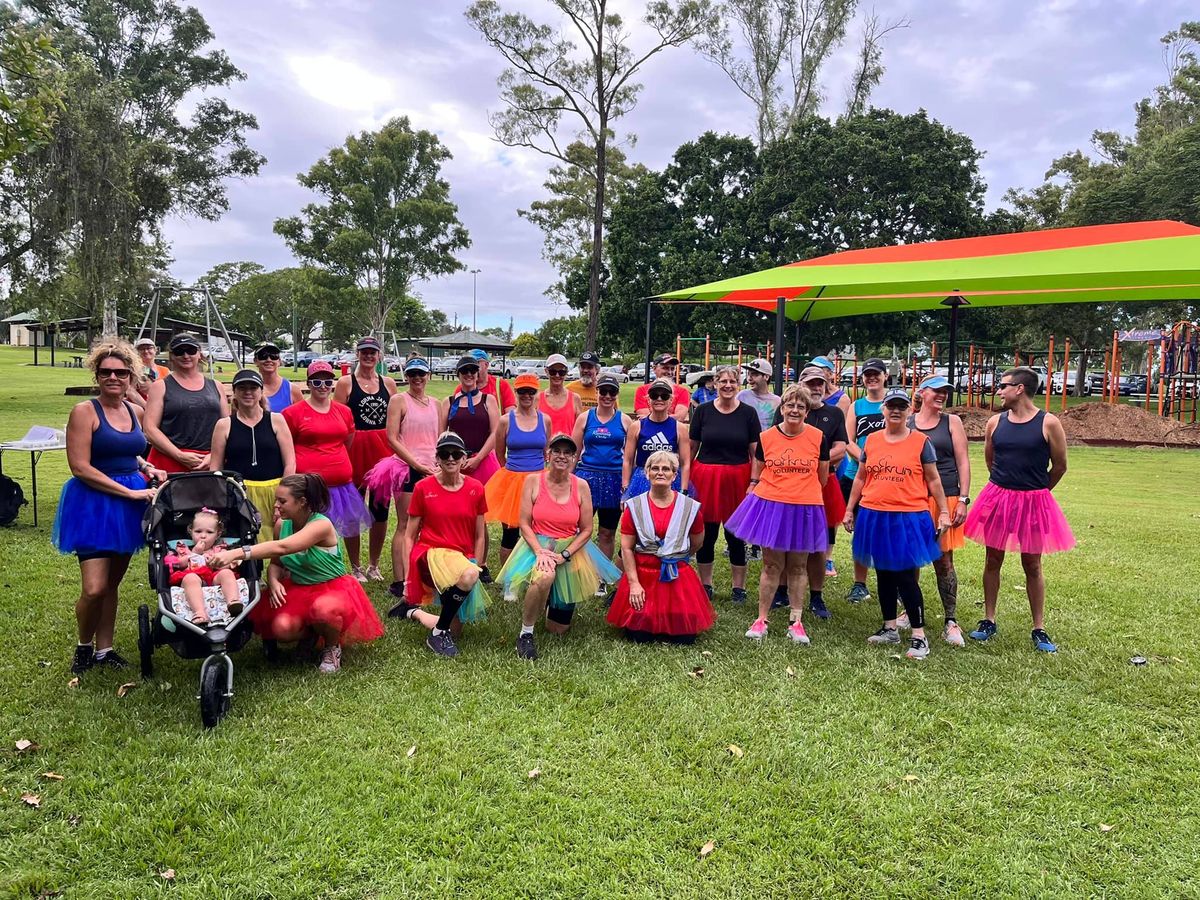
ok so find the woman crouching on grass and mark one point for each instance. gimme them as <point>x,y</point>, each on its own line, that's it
<point>309,589</point>
<point>444,541</point>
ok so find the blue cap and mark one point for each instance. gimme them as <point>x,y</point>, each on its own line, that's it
<point>481,355</point>
<point>823,362</point>
<point>417,364</point>
<point>935,382</point>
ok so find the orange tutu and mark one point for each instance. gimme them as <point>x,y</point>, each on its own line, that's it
<point>503,493</point>
<point>952,538</point>
<point>340,603</point>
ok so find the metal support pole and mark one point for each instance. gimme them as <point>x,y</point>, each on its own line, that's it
<point>649,331</point>
<point>954,302</point>
<point>780,318</point>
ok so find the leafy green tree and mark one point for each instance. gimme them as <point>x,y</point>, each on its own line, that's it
<point>266,304</point>
<point>526,345</point>
<point>385,220</point>
<point>30,90</point>
<point>564,334</point>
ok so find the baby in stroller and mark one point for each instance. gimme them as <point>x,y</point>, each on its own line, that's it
<point>189,567</point>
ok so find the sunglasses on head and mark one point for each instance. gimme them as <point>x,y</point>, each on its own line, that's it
<point>186,350</point>
<point>321,382</point>
<point>608,392</point>
<point>268,354</point>
<point>113,373</point>
<point>450,454</point>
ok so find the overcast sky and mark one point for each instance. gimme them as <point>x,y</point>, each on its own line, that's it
<point>1026,80</point>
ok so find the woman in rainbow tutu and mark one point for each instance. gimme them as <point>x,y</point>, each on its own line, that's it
<point>555,564</point>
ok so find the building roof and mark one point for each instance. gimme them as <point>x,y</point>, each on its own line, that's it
<point>466,340</point>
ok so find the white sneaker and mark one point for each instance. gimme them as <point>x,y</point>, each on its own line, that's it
<point>602,590</point>
<point>373,573</point>
<point>359,575</point>
<point>953,635</point>
<point>331,660</point>
<point>510,595</point>
<point>902,623</point>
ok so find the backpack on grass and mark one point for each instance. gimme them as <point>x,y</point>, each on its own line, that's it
<point>12,498</point>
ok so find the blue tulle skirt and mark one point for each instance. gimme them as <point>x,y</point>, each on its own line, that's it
<point>639,484</point>
<point>786,527</point>
<point>347,511</point>
<point>894,541</point>
<point>606,487</point>
<point>91,521</point>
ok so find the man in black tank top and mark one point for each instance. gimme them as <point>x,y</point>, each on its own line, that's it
<point>1026,455</point>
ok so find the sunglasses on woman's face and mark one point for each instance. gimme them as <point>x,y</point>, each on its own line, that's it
<point>189,350</point>
<point>608,392</point>
<point>526,392</point>
<point>320,382</point>
<point>263,357</point>
<point>557,373</point>
<point>660,396</point>
<point>446,455</point>
<point>473,370</point>
<point>113,373</point>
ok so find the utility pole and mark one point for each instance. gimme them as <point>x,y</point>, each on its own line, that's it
<point>474,285</point>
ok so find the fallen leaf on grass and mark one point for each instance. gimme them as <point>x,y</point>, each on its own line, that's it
<point>126,688</point>
<point>735,751</point>
<point>74,820</point>
<point>697,672</point>
<point>164,686</point>
<point>1105,829</point>
<point>791,672</point>
<point>412,751</point>
<point>911,778</point>
<point>44,663</point>
<point>52,776</point>
<point>707,849</point>
<point>31,800</point>
<point>534,773</point>
<point>706,653</point>
<point>25,744</point>
<point>167,874</point>
<point>74,682</point>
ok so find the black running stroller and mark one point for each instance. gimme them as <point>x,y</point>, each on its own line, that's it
<point>165,523</point>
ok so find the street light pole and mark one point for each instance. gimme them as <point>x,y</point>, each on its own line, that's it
<point>474,285</point>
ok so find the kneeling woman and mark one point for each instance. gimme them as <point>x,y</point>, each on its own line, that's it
<point>444,540</point>
<point>893,533</point>
<point>660,596</point>
<point>784,512</point>
<point>307,583</point>
<point>556,563</point>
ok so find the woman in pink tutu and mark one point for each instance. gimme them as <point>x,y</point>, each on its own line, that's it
<point>723,435</point>
<point>308,587</point>
<point>784,513</point>
<point>1026,454</point>
<point>659,596</point>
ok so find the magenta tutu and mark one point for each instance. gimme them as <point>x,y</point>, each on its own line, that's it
<point>486,469</point>
<point>678,608</point>
<point>386,478</point>
<point>1018,521</point>
<point>786,527</point>
<point>347,511</point>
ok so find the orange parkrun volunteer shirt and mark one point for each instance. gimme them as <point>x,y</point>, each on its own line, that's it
<point>791,466</point>
<point>894,473</point>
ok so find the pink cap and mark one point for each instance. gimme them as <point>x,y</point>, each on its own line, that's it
<point>319,366</point>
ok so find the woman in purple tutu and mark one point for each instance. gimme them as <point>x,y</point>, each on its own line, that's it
<point>784,511</point>
<point>1026,454</point>
<point>893,533</point>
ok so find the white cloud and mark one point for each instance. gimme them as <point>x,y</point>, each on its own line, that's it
<point>342,83</point>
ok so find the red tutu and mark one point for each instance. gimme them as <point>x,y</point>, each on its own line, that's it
<point>835,503</point>
<point>367,448</point>
<point>1025,521</point>
<point>673,608</point>
<point>160,460</point>
<point>720,489</point>
<point>340,603</point>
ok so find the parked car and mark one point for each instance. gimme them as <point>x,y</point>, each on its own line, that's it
<point>532,367</point>
<point>1056,384</point>
<point>638,372</point>
<point>1132,386</point>
<point>445,365</point>
<point>616,372</point>
<point>512,367</point>
<point>393,363</point>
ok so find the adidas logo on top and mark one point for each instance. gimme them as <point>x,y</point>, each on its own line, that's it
<point>657,441</point>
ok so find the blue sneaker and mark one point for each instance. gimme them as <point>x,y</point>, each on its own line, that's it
<point>818,608</point>
<point>1042,642</point>
<point>984,631</point>
<point>830,569</point>
<point>858,593</point>
<point>738,595</point>
<point>780,599</point>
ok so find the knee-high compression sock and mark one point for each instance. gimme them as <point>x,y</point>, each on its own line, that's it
<point>947,584</point>
<point>451,601</point>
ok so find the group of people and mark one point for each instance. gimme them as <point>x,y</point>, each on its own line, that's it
<point>555,468</point>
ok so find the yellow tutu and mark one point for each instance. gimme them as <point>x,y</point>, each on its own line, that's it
<point>446,567</point>
<point>503,493</point>
<point>262,495</point>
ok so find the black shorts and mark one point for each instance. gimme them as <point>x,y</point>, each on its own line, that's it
<point>560,614</point>
<point>411,481</point>
<point>609,518</point>
<point>846,484</point>
<point>99,554</point>
<point>379,511</point>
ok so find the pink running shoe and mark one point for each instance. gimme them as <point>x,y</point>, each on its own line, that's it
<point>797,633</point>
<point>758,630</point>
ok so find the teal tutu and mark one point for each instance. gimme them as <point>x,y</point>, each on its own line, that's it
<point>91,521</point>
<point>473,609</point>
<point>574,582</point>
<point>894,541</point>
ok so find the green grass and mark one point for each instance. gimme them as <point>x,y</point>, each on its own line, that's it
<point>307,790</point>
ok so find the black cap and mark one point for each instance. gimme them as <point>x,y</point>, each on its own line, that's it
<point>897,394</point>
<point>451,440</point>
<point>184,339</point>
<point>607,380</point>
<point>874,364</point>
<point>666,359</point>
<point>266,346</point>
<point>466,362</point>
<point>590,357</point>
<point>245,375</point>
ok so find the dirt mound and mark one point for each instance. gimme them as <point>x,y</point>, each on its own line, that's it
<point>1102,423</point>
<point>974,420</point>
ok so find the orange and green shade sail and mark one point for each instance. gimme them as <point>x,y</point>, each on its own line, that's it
<point>1157,260</point>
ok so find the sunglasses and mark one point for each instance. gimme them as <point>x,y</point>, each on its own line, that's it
<point>416,373</point>
<point>469,370</point>
<point>557,373</point>
<point>526,392</point>
<point>450,455</point>
<point>896,407</point>
<point>608,392</point>
<point>321,382</point>
<point>265,356</point>
<point>113,373</point>
<point>188,350</point>
<point>659,395</point>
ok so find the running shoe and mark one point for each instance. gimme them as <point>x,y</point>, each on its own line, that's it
<point>738,595</point>
<point>953,635</point>
<point>918,648</point>
<point>373,573</point>
<point>755,553</point>
<point>758,630</point>
<point>884,635</point>
<point>112,659</point>
<point>780,600</point>
<point>396,589</point>
<point>441,644</point>
<point>984,631</point>
<point>830,569</point>
<point>331,660</point>
<point>818,608</point>
<point>510,595</point>
<point>83,659</point>
<point>526,648</point>
<point>601,589</point>
<point>708,589</point>
<point>484,575</point>
<point>400,609</point>
<point>359,575</point>
<point>902,623</point>
<point>797,634</point>
<point>858,593</point>
<point>1042,642</point>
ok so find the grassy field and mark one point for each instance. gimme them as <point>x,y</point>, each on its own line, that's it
<point>991,771</point>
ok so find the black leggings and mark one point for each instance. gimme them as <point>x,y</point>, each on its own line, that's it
<point>905,585</point>
<point>706,554</point>
<point>509,536</point>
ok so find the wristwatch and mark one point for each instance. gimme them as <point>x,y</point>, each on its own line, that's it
<point>246,551</point>
<point>965,501</point>
<point>566,554</point>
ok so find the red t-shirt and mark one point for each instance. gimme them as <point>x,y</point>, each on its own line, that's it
<point>661,519</point>
<point>448,517</point>
<point>641,398</point>
<point>507,397</point>
<point>320,440</point>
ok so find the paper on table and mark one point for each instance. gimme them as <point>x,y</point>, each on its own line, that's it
<point>39,437</point>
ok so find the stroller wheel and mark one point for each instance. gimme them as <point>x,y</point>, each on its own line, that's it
<point>215,690</point>
<point>145,641</point>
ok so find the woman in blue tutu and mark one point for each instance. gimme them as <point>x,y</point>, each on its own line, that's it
<point>601,433</point>
<point>893,532</point>
<point>658,431</point>
<point>784,512</point>
<point>100,510</point>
